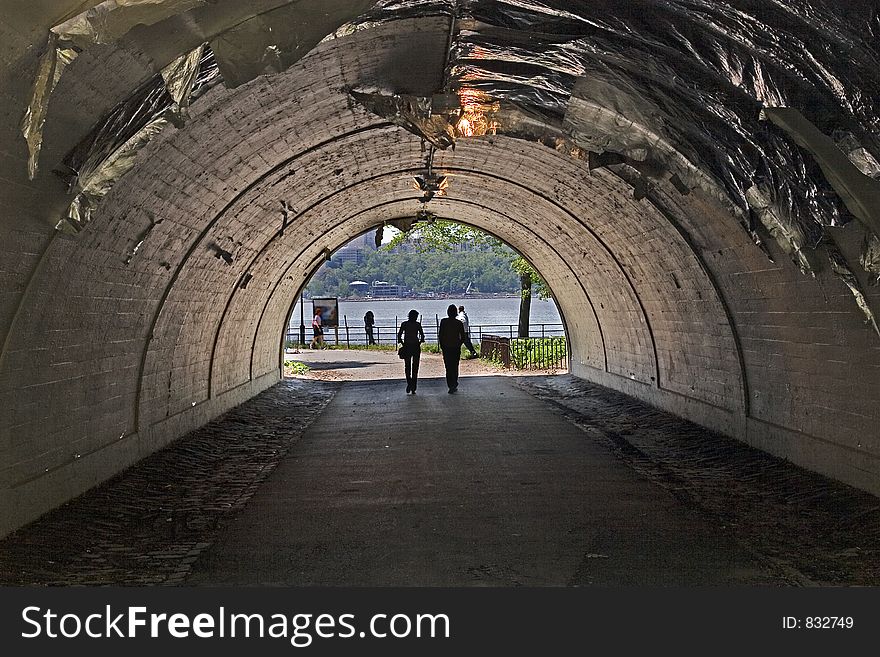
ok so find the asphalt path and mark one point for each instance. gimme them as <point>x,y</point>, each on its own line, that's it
<point>488,487</point>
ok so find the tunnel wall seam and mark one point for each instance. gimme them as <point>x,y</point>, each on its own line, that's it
<point>383,126</point>
<point>710,276</point>
<point>610,253</point>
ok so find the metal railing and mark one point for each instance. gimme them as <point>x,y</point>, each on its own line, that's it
<point>348,335</point>
<point>547,350</point>
<point>525,353</point>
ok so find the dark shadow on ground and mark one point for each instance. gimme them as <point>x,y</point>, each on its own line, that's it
<point>487,487</point>
<point>568,484</point>
<point>148,524</point>
<point>816,531</point>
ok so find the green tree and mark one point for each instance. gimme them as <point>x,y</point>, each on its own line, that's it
<point>443,235</point>
<point>421,269</point>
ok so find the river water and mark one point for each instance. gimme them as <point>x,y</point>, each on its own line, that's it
<point>496,315</point>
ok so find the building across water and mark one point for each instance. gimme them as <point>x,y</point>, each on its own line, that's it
<point>384,289</point>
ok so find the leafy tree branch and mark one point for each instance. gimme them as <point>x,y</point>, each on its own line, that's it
<point>443,235</point>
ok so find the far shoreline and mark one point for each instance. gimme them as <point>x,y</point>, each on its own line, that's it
<point>421,298</point>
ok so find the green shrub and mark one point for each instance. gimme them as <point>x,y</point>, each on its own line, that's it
<point>533,353</point>
<point>537,353</point>
<point>296,367</point>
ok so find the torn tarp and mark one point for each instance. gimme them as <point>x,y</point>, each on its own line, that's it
<point>782,227</point>
<point>676,87</point>
<point>844,273</point>
<point>270,42</point>
<point>257,36</point>
<point>684,80</point>
<point>605,117</point>
<point>111,149</point>
<point>410,112</point>
<point>52,64</point>
<point>94,184</point>
<point>859,156</point>
<point>393,10</point>
<point>180,77</point>
<point>111,19</point>
<point>870,258</point>
<point>859,192</point>
<point>103,23</point>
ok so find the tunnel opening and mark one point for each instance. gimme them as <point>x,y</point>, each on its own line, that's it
<point>430,266</point>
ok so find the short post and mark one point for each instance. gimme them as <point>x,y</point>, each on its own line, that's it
<point>347,337</point>
<point>302,322</point>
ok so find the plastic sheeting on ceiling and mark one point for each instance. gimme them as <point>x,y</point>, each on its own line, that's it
<point>668,90</point>
<point>696,72</point>
<point>676,89</point>
<point>248,39</point>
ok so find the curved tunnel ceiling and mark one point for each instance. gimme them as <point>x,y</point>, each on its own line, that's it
<point>665,92</point>
<point>638,214</point>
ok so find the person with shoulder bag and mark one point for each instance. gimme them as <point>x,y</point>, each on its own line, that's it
<point>411,336</point>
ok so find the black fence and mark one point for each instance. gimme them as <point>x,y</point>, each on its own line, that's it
<point>349,336</point>
<point>525,353</point>
<point>547,349</point>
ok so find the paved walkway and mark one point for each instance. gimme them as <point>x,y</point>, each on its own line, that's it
<point>544,480</point>
<point>487,487</point>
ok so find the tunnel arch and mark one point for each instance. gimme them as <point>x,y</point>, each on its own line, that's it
<point>665,298</point>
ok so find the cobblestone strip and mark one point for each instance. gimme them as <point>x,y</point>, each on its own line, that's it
<point>149,524</point>
<point>810,529</point>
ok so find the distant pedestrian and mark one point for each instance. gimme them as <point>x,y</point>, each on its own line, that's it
<point>463,318</point>
<point>451,336</point>
<point>411,336</point>
<point>369,323</point>
<point>318,329</point>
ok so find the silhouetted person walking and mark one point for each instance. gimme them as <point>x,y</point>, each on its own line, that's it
<point>369,323</point>
<point>463,318</point>
<point>451,336</point>
<point>411,336</point>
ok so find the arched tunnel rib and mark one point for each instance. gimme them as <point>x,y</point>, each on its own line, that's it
<point>200,239</point>
<point>711,278</point>
<point>452,169</point>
